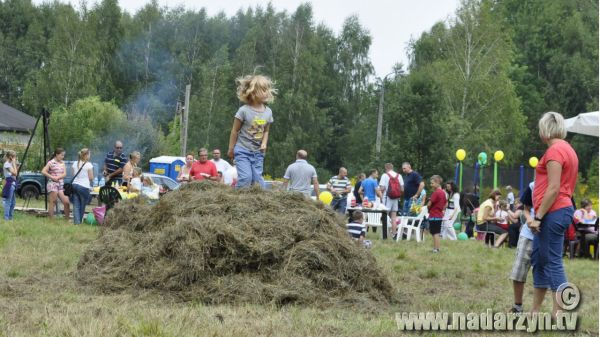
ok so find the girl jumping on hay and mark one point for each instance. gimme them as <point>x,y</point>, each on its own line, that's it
<point>250,132</point>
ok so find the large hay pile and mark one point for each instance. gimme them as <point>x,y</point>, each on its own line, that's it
<point>209,243</point>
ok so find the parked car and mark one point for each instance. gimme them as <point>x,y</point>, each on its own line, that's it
<point>322,188</point>
<point>273,185</point>
<point>32,184</point>
<point>166,184</point>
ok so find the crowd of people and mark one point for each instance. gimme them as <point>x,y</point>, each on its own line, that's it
<point>537,223</point>
<point>540,217</point>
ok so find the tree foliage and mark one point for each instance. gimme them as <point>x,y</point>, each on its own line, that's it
<point>478,81</point>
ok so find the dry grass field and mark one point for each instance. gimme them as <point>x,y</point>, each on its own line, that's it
<point>40,297</point>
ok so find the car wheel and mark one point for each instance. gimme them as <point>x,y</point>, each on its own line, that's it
<point>30,191</point>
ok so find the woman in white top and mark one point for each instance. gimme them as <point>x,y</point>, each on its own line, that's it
<point>184,173</point>
<point>452,211</point>
<point>81,184</point>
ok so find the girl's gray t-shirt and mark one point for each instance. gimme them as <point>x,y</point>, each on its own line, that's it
<point>253,127</point>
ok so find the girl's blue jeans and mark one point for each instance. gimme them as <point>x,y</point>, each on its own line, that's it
<point>79,198</point>
<point>9,203</point>
<point>249,166</point>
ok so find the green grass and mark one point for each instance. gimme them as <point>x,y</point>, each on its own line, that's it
<point>39,296</point>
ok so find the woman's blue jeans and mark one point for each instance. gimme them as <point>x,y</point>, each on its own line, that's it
<point>547,253</point>
<point>249,166</point>
<point>79,199</point>
<point>9,203</point>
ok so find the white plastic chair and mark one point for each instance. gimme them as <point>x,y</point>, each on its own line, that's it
<point>410,224</point>
<point>374,220</point>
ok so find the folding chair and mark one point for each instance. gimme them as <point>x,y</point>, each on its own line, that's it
<point>409,224</point>
<point>109,196</point>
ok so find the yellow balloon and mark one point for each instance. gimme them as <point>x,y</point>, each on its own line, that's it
<point>498,155</point>
<point>461,154</point>
<point>533,161</point>
<point>326,197</point>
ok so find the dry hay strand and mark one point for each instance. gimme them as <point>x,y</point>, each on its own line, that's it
<point>207,242</point>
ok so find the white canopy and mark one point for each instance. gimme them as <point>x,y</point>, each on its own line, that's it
<point>585,124</point>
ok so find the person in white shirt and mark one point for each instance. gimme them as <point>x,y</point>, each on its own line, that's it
<point>149,188</point>
<point>81,185</point>
<point>390,203</point>
<point>452,211</point>
<point>135,186</point>
<point>230,176</point>
<point>221,164</point>
<point>510,197</point>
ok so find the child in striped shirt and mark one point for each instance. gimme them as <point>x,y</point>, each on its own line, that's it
<point>357,230</point>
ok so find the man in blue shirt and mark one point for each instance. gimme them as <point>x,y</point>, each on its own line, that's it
<point>413,185</point>
<point>368,188</point>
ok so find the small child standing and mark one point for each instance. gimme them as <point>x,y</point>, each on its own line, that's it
<point>502,215</point>
<point>250,132</point>
<point>436,206</point>
<point>135,185</point>
<point>510,198</point>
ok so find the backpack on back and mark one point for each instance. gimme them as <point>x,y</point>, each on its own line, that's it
<point>394,191</point>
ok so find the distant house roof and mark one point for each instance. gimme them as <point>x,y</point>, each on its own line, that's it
<point>12,119</point>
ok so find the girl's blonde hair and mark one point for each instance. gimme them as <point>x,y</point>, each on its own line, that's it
<point>148,179</point>
<point>83,152</point>
<point>503,204</point>
<point>9,154</point>
<point>255,89</point>
<point>137,171</point>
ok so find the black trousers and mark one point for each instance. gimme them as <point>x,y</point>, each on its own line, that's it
<point>513,234</point>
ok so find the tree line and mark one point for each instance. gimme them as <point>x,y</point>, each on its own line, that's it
<point>479,80</point>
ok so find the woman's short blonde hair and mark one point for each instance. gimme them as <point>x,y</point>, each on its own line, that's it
<point>552,125</point>
<point>255,89</point>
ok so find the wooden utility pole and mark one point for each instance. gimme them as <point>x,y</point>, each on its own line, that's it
<point>380,117</point>
<point>184,120</point>
<point>379,121</point>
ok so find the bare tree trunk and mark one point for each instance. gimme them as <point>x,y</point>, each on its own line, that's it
<point>147,56</point>
<point>297,46</point>
<point>211,104</point>
<point>74,43</point>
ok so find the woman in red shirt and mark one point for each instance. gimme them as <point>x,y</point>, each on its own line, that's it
<point>556,176</point>
<point>436,206</point>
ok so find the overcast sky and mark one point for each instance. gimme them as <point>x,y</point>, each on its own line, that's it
<point>391,23</point>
